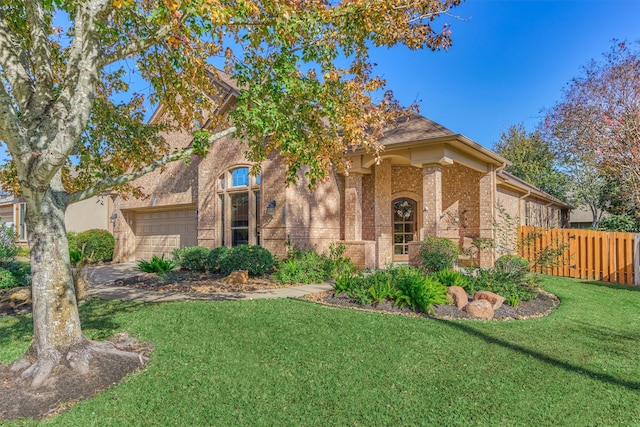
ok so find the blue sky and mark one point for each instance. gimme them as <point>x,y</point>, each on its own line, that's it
<point>509,60</point>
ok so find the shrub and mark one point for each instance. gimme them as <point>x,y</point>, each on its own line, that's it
<point>497,282</point>
<point>192,258</point>
<point>97,245</point>
<point>307,266</point>
<point>213,260</point>
<point>8,247</point>
<point>157,265</point>
<point>451,278</point>
<point>72,239</point>
<point>513,266</point>
<point>438,253</point>
<point>421,292</point>
<point>7,279</point>
<point>255,259</point>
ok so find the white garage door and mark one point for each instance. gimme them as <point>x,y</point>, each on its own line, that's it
<point>160,232</point>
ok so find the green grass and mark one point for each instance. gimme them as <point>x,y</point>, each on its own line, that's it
<point>286,362</point>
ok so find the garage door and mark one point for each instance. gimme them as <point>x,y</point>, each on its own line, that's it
<point>160,232</point>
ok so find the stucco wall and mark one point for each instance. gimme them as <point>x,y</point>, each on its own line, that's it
<point>89,214</point>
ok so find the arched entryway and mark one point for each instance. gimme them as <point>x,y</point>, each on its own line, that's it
<point>405,227</point>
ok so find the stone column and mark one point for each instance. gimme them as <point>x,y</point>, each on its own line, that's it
<point>383,219</point>
<point>432,199</point>
<point>353,207</point>
<point>487,202</point>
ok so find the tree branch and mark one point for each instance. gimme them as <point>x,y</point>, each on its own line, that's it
<point>41,55</point>
<point>10,128</point>
<point>128,177</point>
<point>134,47</point>
<point>13,66</point>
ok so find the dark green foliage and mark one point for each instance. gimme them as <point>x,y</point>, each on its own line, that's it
<point>451,278</point>
<point>619,222</point>
<point>438,253</point>
<point>513,266</point>
<point>255,259</point>
<point>75,256</point>
<point>157,265</point>
<point>192,258</point>
<point>97,245</point>
<point>72,239</point>
<point>213,260</point>
<point>401,285</point>
<point>307,266</point>
<point>500,283</point>
<point>7,279</point>
<point>8,247</point>
<point>12,273</point>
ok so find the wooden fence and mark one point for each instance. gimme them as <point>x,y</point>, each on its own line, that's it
<point>586,254</point>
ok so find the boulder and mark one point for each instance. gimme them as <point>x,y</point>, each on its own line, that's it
<point>239,277</point>
<point>458,296</point>
<point>495,299</point>
<point>480,308</point>
<point>17,297</point>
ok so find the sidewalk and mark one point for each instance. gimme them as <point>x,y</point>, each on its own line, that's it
<point>102,280</point>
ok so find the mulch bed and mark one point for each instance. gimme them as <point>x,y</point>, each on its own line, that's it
<point>189,282</point>
<point>541,306</point>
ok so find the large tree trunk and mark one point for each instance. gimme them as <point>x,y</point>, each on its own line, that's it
<point>57,334</point>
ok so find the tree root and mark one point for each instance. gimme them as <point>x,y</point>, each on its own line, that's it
<point>40,367</point>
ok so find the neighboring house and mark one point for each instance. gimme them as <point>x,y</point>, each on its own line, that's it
<point>12,212</point>
<point>94,212</point>
<point>582,217</point>
<point>429,182</point>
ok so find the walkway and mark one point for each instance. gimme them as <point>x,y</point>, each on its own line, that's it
<point>103,278</point>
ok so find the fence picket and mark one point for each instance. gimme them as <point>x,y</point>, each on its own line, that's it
<point>590,255</point>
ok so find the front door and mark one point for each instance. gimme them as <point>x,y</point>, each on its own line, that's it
<point>404,227</point>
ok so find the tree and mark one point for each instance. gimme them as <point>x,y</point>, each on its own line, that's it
<point>597,122</point>
<point>307,91</point>
<point>531,159</point>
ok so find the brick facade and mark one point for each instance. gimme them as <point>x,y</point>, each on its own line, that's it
<point>454,192</point>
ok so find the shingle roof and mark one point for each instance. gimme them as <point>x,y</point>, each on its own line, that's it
<point>415,128</point>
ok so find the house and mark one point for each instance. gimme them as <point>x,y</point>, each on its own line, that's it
<point>429,181</point>
<point>88,214</point>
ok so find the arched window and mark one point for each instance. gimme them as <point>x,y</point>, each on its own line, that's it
<point>239,207</point>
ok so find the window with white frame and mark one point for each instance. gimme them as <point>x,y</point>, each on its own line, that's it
<point>238,213</point>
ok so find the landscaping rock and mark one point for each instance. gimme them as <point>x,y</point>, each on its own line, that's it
<point>17,297</point>
<point>495,299</point>
<point>458,296</point>
<point>480,308</point>
<point>237,277</point>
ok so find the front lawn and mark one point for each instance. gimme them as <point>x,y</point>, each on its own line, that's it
<point>287,362</point>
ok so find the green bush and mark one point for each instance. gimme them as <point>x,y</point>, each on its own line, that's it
<point>451,278</point>
<point>513,266</point>
<point>438,253</point>
<point>157,265</point>
<point>72,239</point>
<point>8,247</point>
<point>420,292</point>
<point>97,245</point>
<point>7,279</point>
<point>307,266</point>
<point>497,282</point>
<point>192,258</point>
<point>255,259</point>
<point>213,260</point>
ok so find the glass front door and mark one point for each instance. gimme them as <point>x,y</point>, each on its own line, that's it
<point>404,227</point>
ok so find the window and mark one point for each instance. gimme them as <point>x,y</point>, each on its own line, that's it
<point>240,177</point>
<point>238,218</point>
<point>404,227</point>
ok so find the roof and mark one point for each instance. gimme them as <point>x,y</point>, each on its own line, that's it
<point>415,128</point>
<point>523,185</point>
